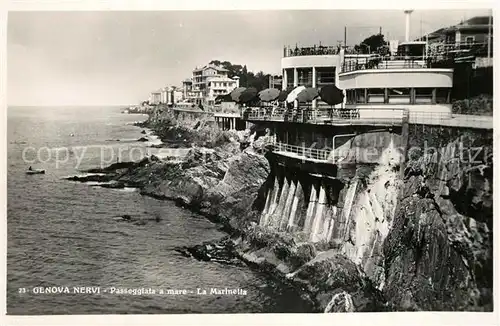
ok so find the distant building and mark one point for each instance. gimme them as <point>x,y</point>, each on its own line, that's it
<point>155,97</point>
<point>219,85</point>
<point>207,83</point>
<point>471,37</point>
<point>275,82</point>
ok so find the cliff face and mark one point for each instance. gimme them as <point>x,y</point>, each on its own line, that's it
<point>438,254</point>
<point>380,241</point>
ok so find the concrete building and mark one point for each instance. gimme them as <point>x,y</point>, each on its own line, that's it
<point>311,67</point>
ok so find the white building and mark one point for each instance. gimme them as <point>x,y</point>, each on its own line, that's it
<point>311,67</point>
<point>207,83</point>
<point>220,86</point>
<point>155,97</point>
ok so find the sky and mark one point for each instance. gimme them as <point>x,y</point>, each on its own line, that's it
<point>119,57</point>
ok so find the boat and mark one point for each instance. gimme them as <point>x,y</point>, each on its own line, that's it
<point>35,172</point>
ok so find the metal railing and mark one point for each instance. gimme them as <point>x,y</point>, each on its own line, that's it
<point>312,50</point>
<point>385,63</point>
<point>451,120</point>
<point>302,151</point>
<point>357,116</point>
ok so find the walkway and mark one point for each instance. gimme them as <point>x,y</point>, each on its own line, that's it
<point>368,116</point>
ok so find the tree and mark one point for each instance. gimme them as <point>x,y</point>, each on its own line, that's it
<point>371,44</point>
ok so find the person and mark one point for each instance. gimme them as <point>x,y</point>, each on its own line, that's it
<point>30,168</point>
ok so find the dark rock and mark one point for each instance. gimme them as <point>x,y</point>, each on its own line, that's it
<point>126,217</point>
<point>143,139</point>
<point>336,285</point>
<point>143,132</point>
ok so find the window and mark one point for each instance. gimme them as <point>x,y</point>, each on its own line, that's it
<point>399,95</point>
<point>360,95</point>
<point>443,95</point>
<point>305,77</point>
<point>289,78</point>
<point>351,96</point>
<point>469,39</point>
<point>325,76</point>
<point>423,95</point>
<point>376,95</point>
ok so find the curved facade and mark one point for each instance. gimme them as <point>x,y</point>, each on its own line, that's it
<point>382,78</point>
<point>418,89</point>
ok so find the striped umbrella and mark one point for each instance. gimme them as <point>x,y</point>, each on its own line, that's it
<point>308,94</point>
<point>292,96</point>
<point>269,94</point>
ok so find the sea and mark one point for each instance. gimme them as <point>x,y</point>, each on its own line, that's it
<point>65,237</point>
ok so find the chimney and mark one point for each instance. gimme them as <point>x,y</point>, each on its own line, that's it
<point>407,34</point>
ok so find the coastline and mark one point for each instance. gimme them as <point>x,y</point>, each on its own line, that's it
<point>226,182</point>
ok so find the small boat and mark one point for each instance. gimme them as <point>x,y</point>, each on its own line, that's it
<point>35,172</point>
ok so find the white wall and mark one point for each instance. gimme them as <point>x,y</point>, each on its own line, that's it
<point>308,61</point>
<point>430,108</point>
<point>389,78</point>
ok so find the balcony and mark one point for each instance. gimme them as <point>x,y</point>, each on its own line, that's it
<point>314,50</point>
<point>339,117</point>
<point>385,63</point>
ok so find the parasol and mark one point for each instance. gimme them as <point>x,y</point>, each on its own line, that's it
<point>247,95</point>
<point>292,96</point>
<point>331,94</point>
<point>308,94</point>
<point>284,94</point>
<point>235,94</point>
<point>269,94</point>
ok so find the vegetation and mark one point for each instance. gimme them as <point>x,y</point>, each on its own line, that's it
<point>259,80</point>
<point>371,44</point>
<point>478,105</point>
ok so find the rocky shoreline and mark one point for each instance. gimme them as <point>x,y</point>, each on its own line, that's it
<point>437,254</point>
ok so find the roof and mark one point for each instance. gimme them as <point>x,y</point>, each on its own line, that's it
<point>477,23</point>
<point>413,43</point>
<point>211,66</point>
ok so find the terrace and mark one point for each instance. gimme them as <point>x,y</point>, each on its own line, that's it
<point>331,116</point>
<point>378,62</point>
<point>312,50</point>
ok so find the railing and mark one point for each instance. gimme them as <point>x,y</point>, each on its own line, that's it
<point>451,120</point>
<point>314,50</point>
<point>357,116</point>
<point>385,63</point>
<point>302,151</point>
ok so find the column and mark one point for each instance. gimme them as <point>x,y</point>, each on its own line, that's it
<point>285,80</point>
<point>295,84</point>
<point>318,219</point>
<point>311,209</point>
<point>314,85</point>
<point>274,197</point>
<point>281,204</point>
<point>285,216</point>
<point>292,224</point>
